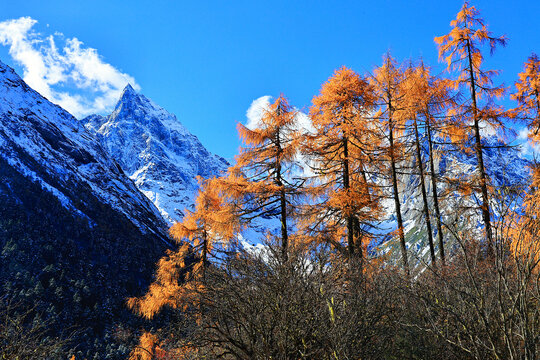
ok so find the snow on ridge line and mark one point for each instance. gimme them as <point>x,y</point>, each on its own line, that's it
<point>156,151</point>
<point>58,143</point>
<point>33,176</point>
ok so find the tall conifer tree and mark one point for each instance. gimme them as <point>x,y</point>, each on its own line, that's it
<point>461,49</point>
<point>346,198</point>
<point>527,95</point>
<point>388,81</point>
<point>263,181</point>
<point>180,275</point>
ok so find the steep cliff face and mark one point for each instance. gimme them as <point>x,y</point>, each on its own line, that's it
<point>156,151</point>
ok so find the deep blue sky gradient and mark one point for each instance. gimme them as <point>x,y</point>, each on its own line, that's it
<point>206,61</point>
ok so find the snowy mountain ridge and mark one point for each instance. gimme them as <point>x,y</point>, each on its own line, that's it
<point>45,143</point>
<point>156,151</point>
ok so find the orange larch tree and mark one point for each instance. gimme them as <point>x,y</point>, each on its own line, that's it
<point>148,348</point>
<point>264,181</point>
<point>461,49</point>
<point>178,280</point>
<point>525,240</point>
<point>527,95</point>
<point>525,225</point>
<point>180,275</point>
<point>345,198</point>
<point>388,80</point>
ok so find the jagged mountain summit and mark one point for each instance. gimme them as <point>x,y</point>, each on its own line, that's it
<point>156,151</point>
<point>45,143</point>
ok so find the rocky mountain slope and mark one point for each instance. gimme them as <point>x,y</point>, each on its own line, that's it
<point>76,235</point>
<point>45,143</point>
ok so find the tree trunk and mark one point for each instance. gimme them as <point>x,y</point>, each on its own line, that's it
<point>434,191</point>
<point>401,232</point>
<point>424,193</point>
<point>346,186</point>
<point>480,158</point>
<point>357,228</point>
<point>204,256</point>
<point>282,199</point>
<point>537,110</point>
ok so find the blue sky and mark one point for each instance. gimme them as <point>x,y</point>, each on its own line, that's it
<point>207,61</point>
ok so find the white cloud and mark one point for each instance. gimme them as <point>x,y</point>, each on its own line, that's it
<point>255,113</point>
<point>73,76</point>
<point>523,133</point>
<point>256,110</point>
<point>260,105</point>
<point>528,148</point>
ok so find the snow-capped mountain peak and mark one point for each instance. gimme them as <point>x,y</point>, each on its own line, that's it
<point>137,107</point>
<point>47,145</point>
<point>129,90</point>
<point>156,151</point>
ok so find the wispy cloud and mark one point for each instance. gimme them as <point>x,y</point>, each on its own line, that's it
<point>73,76</point>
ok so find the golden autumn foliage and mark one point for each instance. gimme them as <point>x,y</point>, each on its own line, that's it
<point>527,95</point>
<point>263,182</point>
<point>150,347</point>
<point>269,154</point>
<point>526,230</point>
<point>389,84</point>
<point>524,234</point>
<point>461,49</point>
<point>168,288</point>
<point>211,223</point>
<point>429,99</point>
<point>345,198</point>
<point>177,282</point>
